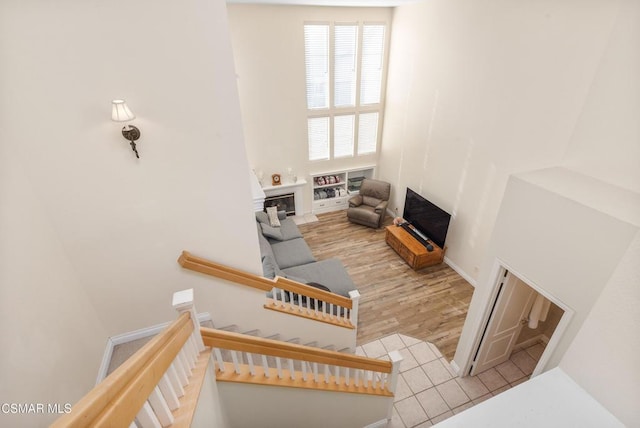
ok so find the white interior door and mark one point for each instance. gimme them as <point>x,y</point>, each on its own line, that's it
<point>512,306</point>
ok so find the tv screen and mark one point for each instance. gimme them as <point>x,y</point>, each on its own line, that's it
<point>426,217</point>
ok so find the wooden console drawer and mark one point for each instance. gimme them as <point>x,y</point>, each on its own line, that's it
<point>411,250</point>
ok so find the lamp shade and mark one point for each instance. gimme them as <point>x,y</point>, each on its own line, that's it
<point>120,112</point>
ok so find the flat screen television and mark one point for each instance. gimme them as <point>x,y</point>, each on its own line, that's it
<point>428,218</point>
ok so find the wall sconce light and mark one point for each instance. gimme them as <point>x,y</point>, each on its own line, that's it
<point>120,112</point>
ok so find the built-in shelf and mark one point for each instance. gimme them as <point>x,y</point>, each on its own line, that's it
<point>331,190</point>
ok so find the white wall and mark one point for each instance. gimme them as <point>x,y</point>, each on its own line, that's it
<point>268,48</point>
<point>209,412</point>
<point>552,400</point>
<point>249,405</point>
<point>556,238</point>
<point>603,358</point>
<point>112,226</point>
<point>606,140</point>
<point>52,339</point>
<point>477,91</point>
<point>124,222</point>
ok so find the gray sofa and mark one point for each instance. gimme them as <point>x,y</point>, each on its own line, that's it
<point>285,253</point>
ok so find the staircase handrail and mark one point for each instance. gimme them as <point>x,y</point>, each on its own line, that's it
<point>257,345</point>
<point>208,267</point>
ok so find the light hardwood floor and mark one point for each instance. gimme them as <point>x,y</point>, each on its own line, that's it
<point>430,304</point>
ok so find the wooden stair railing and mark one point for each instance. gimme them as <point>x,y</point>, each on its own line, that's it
<point>157,386</point>
<point>288,296</point>
<point>304,366</point>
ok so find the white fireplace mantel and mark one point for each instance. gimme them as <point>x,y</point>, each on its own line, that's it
<point>288,187</point>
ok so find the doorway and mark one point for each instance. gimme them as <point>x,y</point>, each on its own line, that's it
<point>523,325</point>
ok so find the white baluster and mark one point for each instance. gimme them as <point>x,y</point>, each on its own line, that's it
<point>265,365</point>
<point>355,303</point>
<point>383,380</point>
<point>160,407</point>
<point>315,306</point>
<point>234,358</point>
<point>292,372</point>
<point>308,308</point>
<point>283,304</point>
<point>326,374</point>
<point>172,374</point>
<point>274,292</point>
<point>337,376</point>
<point>331,310</point>
<point>183,302</point>
<point>346,376</point>
<point>218,354</point>
<point>180,370</point>
<point>252,369</point>
<point>279,367</point>
<point>357,380</point>
<point>185,363</point>
<point>146,418</point>
<point>189,354</point>
<point>304,371</point>
<point>315,372</point>
<point>194,344</point>
<point>168,392</point>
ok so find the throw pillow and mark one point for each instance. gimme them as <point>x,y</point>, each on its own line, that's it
<point>272,212</point>
<point>272,232</point>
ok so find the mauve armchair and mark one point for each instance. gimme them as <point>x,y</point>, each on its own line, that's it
<point>369,207</point>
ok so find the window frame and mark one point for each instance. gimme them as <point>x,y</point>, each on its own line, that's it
<point>331,112</point>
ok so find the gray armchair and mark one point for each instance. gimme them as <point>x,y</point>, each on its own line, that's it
<point>370,205</point>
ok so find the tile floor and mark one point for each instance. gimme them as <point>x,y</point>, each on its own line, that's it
<point>429,391</point>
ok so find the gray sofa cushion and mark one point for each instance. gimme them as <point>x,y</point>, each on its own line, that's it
<point>263,217</point>
<point>293,252</point>
<point>289,230</point>
<point>330,273</point>
<point>265,247</point>
<point>271,232</point>
<point>270,268</point>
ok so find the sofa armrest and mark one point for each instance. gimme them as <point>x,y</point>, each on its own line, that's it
<point>381,207</point>
<point>355,201</point>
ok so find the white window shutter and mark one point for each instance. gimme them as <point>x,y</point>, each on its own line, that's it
<point>367,133</point>
<point>345,63</point>
<point>372,62</point>
<point>343,135</point>
<point>318,129</point>
<point>316,58</point>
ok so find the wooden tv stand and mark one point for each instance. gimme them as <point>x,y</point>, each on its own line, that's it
<point>412,250</point>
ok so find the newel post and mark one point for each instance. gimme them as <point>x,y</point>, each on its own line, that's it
<point>396,359</point>
<point>355,299</point>
<point>183,302</point>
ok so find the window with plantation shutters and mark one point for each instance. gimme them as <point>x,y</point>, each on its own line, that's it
<point>316,58</point>
<point>318,138</point>
<point>344,79</point>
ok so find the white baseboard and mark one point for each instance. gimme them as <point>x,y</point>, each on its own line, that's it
<point>460,272</point>
<point>119,339</point>
<point>379,424</point>
<point>455,367</point>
